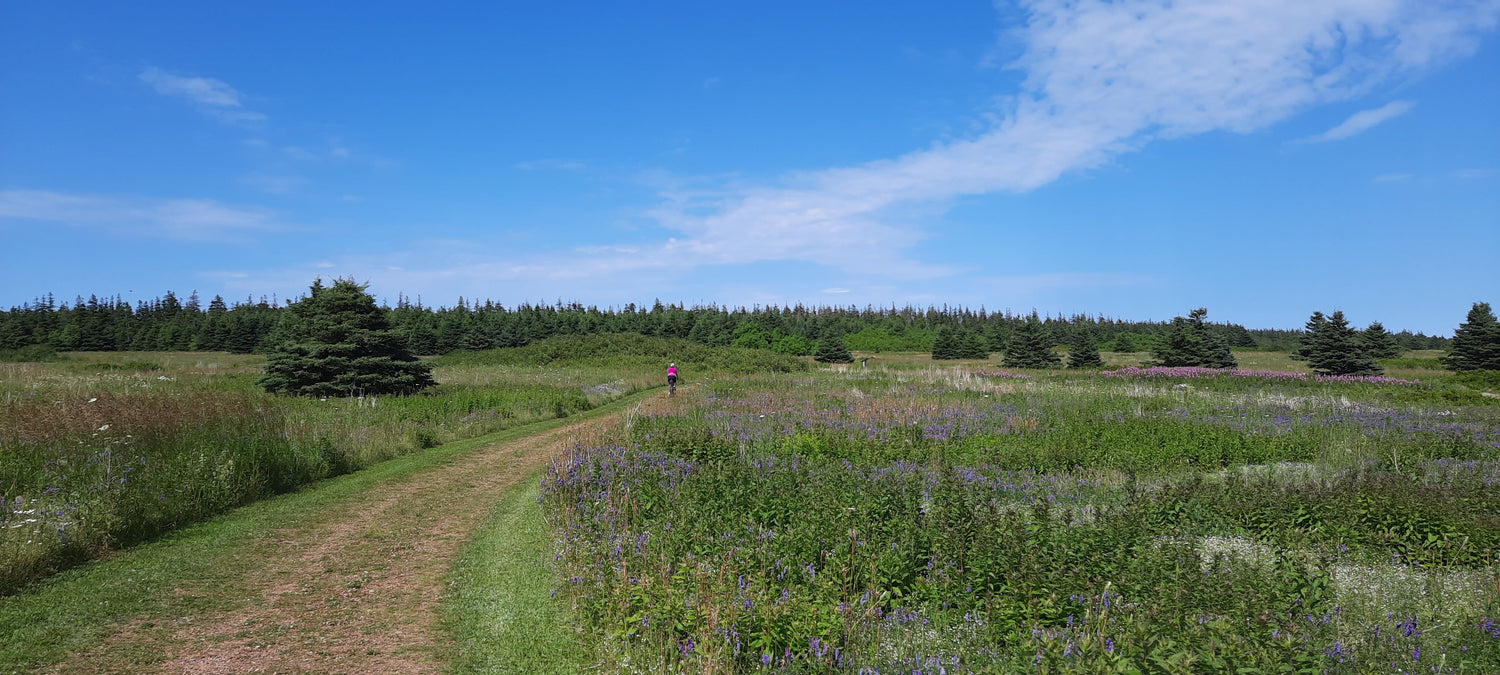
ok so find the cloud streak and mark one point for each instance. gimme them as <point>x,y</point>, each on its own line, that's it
<point>186,219</point>
<point>1102,79</point>
<point>1363,121</point>
<point>214,97</point>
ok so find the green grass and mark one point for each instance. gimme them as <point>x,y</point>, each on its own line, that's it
<point>501,612</point>
<point>46,621</point>
<point>899,514</point>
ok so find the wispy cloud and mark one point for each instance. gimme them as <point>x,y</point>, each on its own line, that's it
<point>189,219</point>
<point>1102,79</point>
<point>1363,121</point>
<point>212,96</point>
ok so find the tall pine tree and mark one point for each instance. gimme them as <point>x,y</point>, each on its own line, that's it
<point>831,348</point>
<point>1189,342</point>
<point>1084,352</point>
<point>1476,343</point>
<point>1380,343</point>
<point>1331,347</point>
<point>1029,346</point>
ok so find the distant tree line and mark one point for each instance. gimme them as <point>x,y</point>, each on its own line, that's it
<point>169,323</point>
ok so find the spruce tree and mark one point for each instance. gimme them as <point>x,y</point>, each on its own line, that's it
<point>1380,343</point>
<point>1084,352</point>
<point>946,346</point>
<point>337,342</point>
<point>1336,349</point>
<point>1125,344</point>
<point>1310,345</point>
<point>1476,343</point>
<point>971,345</point>
<point>1029,346</point>
<point>831,348</point>
<point>1189,342</point>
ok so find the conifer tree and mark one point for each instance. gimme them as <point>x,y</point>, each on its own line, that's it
<point>1380,343</point>
<point>831,348</point>
<point>1084,352</point>
<point>946,346</point>
<point>1029,346</point>
<point>971,345</point>
<point>336,342</point>
<point>1333,348</point>
<point>1125,344</point>
<point>1189,342</point>
<point>1308,346</point>
<point>1476,343</point>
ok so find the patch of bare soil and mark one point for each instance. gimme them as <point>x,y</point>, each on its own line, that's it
<point>354,593</point>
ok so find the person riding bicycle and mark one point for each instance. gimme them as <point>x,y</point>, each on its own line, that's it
<point>672,375</point>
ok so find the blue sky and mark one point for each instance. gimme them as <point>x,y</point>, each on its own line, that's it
<point>1135,158</point>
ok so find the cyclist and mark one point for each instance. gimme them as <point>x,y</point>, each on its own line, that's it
<point>672,377</point>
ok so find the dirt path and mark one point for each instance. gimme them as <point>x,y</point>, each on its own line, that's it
<point>356,591</point>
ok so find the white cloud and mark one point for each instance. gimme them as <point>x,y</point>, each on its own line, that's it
<point>1363,121</point>
<point>212,96</point>
<point>835,291</point>
<point>1102,78</point>
<point>190,219</point>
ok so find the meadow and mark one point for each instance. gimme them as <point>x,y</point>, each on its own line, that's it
<point>100,451</point>
<point>911,518</point>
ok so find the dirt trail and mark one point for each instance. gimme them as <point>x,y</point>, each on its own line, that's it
<point>355,592</point>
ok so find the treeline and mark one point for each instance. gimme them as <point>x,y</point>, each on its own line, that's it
<point>173,324</point>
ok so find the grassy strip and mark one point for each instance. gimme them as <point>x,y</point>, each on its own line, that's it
<point>500,612</point>
<point>43,623</point>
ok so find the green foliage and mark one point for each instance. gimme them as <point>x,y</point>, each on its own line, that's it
<point>1331,347</point>
<point>1483,380</point>
<point>1029,346</point>
<point>1476,343</point>
<point>1189,342</point>
<point>626,350</point>
<point>1090,531</point>
<point>336,342</point>
<point>1380,343</point>
<point>831,349</point>
<point>1084,352</point>
<point>959,343</point>
<point>897,339</point>
<point>28,353</point>
<point>1124,343</point>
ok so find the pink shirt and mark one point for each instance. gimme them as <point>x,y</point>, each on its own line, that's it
<point>672,370</point>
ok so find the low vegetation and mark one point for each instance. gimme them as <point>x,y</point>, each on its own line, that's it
<point>975,520</point>
<point>99,452</point>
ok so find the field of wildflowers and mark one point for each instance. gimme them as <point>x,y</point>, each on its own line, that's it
<point>954,520</point>
<point>101,451</point>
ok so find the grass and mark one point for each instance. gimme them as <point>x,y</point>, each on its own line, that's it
<point>501,612</point>
<point>914,517</point>
<point>67,612</point>
<point>100,451</point>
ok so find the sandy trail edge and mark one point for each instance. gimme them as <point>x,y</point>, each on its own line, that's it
<point>357,592</point>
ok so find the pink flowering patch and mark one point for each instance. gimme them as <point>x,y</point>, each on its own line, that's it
<point>1193,372</point>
